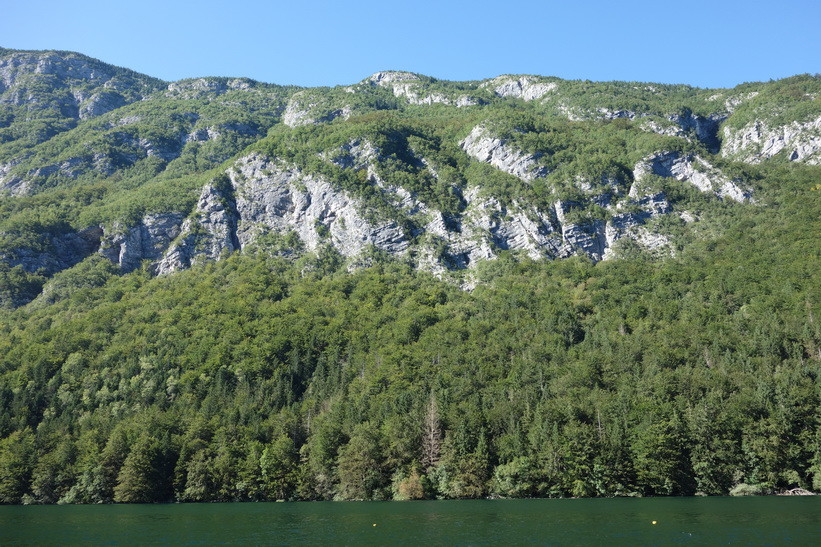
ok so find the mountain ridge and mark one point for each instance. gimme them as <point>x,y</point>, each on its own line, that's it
<point>379,145</point>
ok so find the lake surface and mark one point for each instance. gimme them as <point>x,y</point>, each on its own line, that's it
<point>679,521</point>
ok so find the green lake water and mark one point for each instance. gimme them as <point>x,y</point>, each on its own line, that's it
<point>679,521</point>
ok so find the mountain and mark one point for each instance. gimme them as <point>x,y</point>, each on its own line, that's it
<point>443,174</point>
<point>219,288</point>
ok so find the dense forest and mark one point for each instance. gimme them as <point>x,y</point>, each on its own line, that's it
<point>289,370</point>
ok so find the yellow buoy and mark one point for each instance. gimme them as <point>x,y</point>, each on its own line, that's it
<point>653,523</point>
<point>375,524</point>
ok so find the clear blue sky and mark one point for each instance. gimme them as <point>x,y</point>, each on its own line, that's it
<point>714,43</point>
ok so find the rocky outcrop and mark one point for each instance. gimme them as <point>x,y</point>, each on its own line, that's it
<point>732,102</point>
<point>148,240</point>
<point>83,87</point>
<point>586,238</point>
<point>261,195</point>
<point>302,109</point>
<point>100,103</point>
<point>482,145</point>
<point>705,129</point>
<point>389,77</point>
<point>412,88</point>
<point>411,94</point>
<point>11,183</point>
<point>557,235</point>
<point>67,67</point>
<point>206,235</point>
<point>632,223</point>
<point>357,154</point>
<point>265,196</point>
<point>283,199</point>
<point>628,226</point>
<point>488,227</point>
<point>527,88</point>
<point>597,238</point>
<point>203,134</point>
<point>131,148</point>
<point>692,169</point>
<point>295,114</point>
<point>609,114</point>
<point>201,87</point>
<point>758,141</point>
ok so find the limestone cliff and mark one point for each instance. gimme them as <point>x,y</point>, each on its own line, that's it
<point>486,147</point>
<point>268,195</point>
<point>692,169</point>
<point>759,140</point>
<point>442,175</point>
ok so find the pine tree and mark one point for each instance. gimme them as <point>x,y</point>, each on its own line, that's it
<point>431,435</point>
<point>138,478</point>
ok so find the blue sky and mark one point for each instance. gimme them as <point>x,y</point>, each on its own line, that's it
<point>311,43</point>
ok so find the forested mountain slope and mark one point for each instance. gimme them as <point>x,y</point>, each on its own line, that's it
<point>219,289</point>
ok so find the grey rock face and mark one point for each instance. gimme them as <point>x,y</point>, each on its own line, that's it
<point>203,135</point>
<point>25,75</point>
<point>527,88</point>
<point>487,227</point>
<point>152,149</point>
<point>268,196</point>
<point>556,236</point>
<point>411,94</point>
<point>302,109</point>
<point>588,239</point>
<point>206,235</point>
<point>733,101</point>
<point>147,241</point>
<point>11,183</point>
<point>653,204</point>
<point>16,67</point>
<point>388,77</point>
<point>692,169</point>
<point>284,199</point>
<point>200,87</point>
<point>607,114</point>
<point>705,129</point>
<point>295,114</point>
<point>101,103</point>
<point>631,225</point>
<point>74,167</point>
<point>357,154</point>
<point>757,141</point>
<point>485,147</point>
<point>410,87</point>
